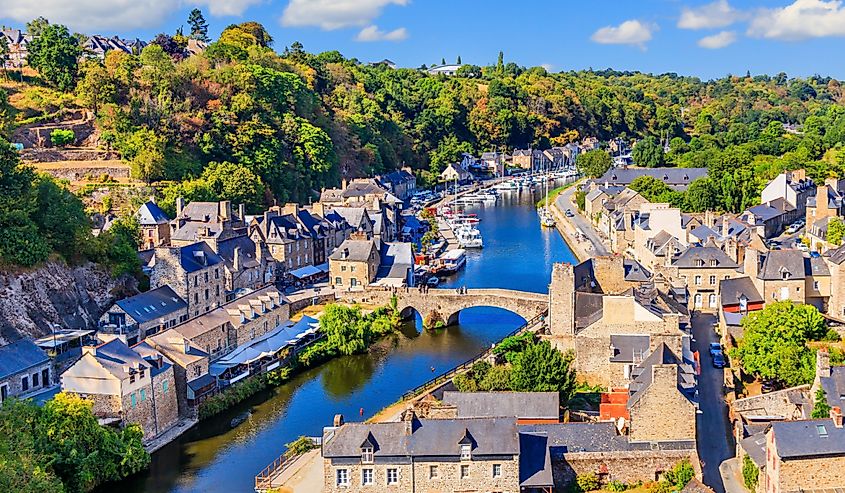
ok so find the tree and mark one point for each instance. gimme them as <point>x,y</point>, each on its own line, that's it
<point>594,163</point>
<point>254,29</point>
<point>774,342</point>
<point>20,241</point>
<point>750,473</point>
<point>701,196</point>
<point>55,54</point>
<point>500,63</point>
<point>649,187</point>
<point>4,53</point>
<point>36,27</point>
<point>60,217</point>
<point>459,59</point>
<point>61,137</point>
<point>821,409</point>
<point>235,183</point>
<point>648,152</point>
<point>449,150</point>
<point>343,328</point>
<point>170,45</point>
<point>542,368</point>
<point>198,25</point>
<point>835,231</point>
<point>96,86</point>
<point>144,150</point>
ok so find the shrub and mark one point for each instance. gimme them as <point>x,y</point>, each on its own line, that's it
<point>232,395</point>
<point>616,486</point>
<point>62,137</point>
<point>750,473</point>
<point>587,482</point>
<point>299,446</point>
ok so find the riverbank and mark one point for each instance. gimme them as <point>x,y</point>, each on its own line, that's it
<point>576,231</point>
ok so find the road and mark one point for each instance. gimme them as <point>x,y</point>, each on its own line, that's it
<point>715,442</point>
<point>563,202</point>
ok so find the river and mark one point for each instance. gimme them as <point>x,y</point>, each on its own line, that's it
<point>214,457</point>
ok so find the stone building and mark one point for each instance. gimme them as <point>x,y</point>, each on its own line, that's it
<point>289,241</point>
<point>136,317</point>
<point>792,186</point>
<point>789,275</point>
<point>805,453</point>
<point>195,272</point>
<point>190,369</point>
<point>25,370</point>
<point>355,263</point>
<point>247,265</point>
<point>401,183</point>
<point>835,260</point>
<point>129,385</point>
<point>206,221</point>
<point>154,225</point>
<point>701,268</point>
<point>454,455</point>
<point>829,201</point>
<point>454,173</point>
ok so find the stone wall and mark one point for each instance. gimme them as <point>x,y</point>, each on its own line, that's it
<point>82,172</point>
<point>627,467</point>
<point>772,290</point>
<point>797,475</point>
<point>203,289</point>
<point>836,305</point>
<point>345,271</point>
<point>562,301</point>
<point>165,399</point>
<point>14,383</point>
<point>662,412</point>
<point>142,412</point>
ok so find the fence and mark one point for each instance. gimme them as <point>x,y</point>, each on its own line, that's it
<point>444,377</point>
<point>264,479</point>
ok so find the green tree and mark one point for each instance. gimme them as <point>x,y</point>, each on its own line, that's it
<point>4,54</point>
<point>680,475</point>
<point>20,241</point>
<point>648,152</point>
<point>750,473</point>
<point>343,328</point>
<point>60,217</point>
<point>36,27</point>
<point>542,368</point>
<point>821,409</point>
<point>227,181</point>
<point>835,231</point>
<point>61,137</point>
<point>96,86</point>
<point>198,25</point>
<point>144,150</point>
<point>701,196</point>
<point>594,163</point>
<point>773,345</point>
<point>649,187</point>
<point>55,54</point>
<point>449,150</point>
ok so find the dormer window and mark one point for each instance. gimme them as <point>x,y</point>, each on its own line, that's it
<point>713,263</point>
<point>699,263</point>
<point>466,452</point>
<point>785,275</point>
<point>367,455</point>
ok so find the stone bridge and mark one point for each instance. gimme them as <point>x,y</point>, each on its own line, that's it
<point>448,303</point>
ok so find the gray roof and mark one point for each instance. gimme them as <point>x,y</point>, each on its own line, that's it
<point>642,373</point>
<point>396,177</point>
<point>248,251</point>
<point>808,438</point>
<point>20,356</point>
<point>696,486</point>
<point>703,232</point>
<point>355,216</point>
<point>150,214</point>
<point>354,250</point>
<point>634,271</point>
<point>119,359</point>
<point>629,348</point>
<point>580,437</point>
<point>535,464</point>
<point>765,212</point>
<point>154,304</point>
<point>755,447</point>
<point>834,386</point>
<point>396,259</point>
<point>837,255</point>
<point>794,262</point>
<point>527,405</point>
<point>732,289</point>
<point>674,177</point>
<point>712,257</point>
<point>198,256</point>
<point>430,437</point>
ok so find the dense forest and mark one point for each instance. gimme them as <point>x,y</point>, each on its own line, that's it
<point>245,122</point>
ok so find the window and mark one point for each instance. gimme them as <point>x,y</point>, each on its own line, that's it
<point>712,300</point>
<point>24,383</point>
<point>4,392</point>
<point>353,282</point>
<point>217,273</point>
<point>338,281</point>
<point>196,280</point>
<point>698,280</point>
<point>698,300</point>
<point>464,471</point>
<point>164,387</point>
<point>367,455</point>
<point>342,477</point>
<point>35,380</point>
<point>132,400</point>
<point>712,280</point>
<point>351,268</point>
<point>699,263</point>
<point>393,476</point>
<point>217,290</point>
<point>206,293</point>
<point>466,452</point>
<point>45,376</point>
<point>433,473</point>
<point>784,293</point>
<point>343,268</point>
<point>143,395</point>
<point>815,285</point>
<point>366,477</point>
<point>206,277</point>
<point>497,470</point>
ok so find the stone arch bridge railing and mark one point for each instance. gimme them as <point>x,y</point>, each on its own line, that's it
<point>449,302</point>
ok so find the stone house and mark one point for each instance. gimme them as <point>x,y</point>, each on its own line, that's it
<point>154,225</point>
<point>454,173</point>
<point>355,263</point>
<point>675,178</point>
<point>529,408</point>
<point>25,370</point>
<point>361,192</point>
<point>829,201</point>
<point>289,241</point>
<point>357,218</point>
<point>789,275</point>
<point>835,260</point>
<point>493,163</point>
<point>530,159</point>
<point>661,404</point>
<point>401,183</point>
<point>337,228</point>
<point>449,455</point>
<point>702,268</point>
<point>805,453</point>
<point>128,385</point>
<point>139,316</point>
<point>738,297</point>
<point>206,221</point>
<point>247,265</point>
<point>190,367</point>
<point>791,186</point>
<point>769,219</point>
<point>195,272</point>
<point>18,43</point>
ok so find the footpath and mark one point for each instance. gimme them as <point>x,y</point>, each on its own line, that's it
<point>576,231</point>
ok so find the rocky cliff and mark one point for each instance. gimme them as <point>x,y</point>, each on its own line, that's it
<point>55,293</point>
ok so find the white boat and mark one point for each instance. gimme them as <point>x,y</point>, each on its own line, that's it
<point>469,237</point>
<point>452,261</point>
<point>506,186</point>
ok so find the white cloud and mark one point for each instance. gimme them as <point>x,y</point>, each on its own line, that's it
<point>335,14</point>
<point>718,40</point>
<point>219,8</point>
<point>802,19</point>
<point>710,16</point>
<point>631,32</point>
<point>548,66</point>
<point>373,33</point>
<point>88,15</point>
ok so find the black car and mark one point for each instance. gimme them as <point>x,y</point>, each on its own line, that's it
<point>718,360</point>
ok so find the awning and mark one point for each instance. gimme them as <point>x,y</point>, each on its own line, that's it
<point>266,345</point>
<point>307,271</point>
<point>61,337</point>
<point>324,267</point>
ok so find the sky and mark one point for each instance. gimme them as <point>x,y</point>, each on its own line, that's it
<point>708,39</point>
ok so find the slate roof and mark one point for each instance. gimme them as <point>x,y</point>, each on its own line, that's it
<point>355,216</point>
<point>580,437</point>
<point>526,405</point>
<point>834,386</point>
<point>117,358</point>
<point>708,254</point>
<point>19,356</point>
<point>634,271</point>
<point>765,212</point>
<point>396,259</point>
<point>354,250</point>
<point>703,232</point>
<point>779,261</point>
<point>808,438</point>
<point>629,348</point>
<point>755,447</point>
<point>150,214</point>
<point>642,373</point>
<point>154,304</point>
<point>397,177</point>
<point>535,464</point>
<point>731,289</point>
<point>430,437</point>
<point>247,253</point>
<point>674,177</point>
<point>837,255</point>
<point>198,256</point>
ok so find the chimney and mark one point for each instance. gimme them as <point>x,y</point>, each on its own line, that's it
<point>409,418</point>
<point>242,212</point>
<point>338,420</point>
<point>344,184</point>
<point>224,209</point>
<point>290,208</point>
<point>832,183</point>
<point>751,263</point>
<point>709,219</point>
<point>153,199</point>
<point>236,261</point>
<point>186,346</point>
<point>319,209</point>
<point>345,253</point>
<point>180,205</point>
<point>822,363</point>
<point>836,416</point>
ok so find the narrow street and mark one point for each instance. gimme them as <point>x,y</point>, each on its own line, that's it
<point>563,202</point>
<point>715,443</point>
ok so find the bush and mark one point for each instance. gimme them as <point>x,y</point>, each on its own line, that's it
<point>587,482</point>
<point>299,446</point>
<point>616,486</point>
<point>62,137</point>
<point>680,475</point>
<point>750,473</point>
<point>232,395</point>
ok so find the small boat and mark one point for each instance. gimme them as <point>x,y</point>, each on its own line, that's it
<point>452,261</point>
<point>469,237</point>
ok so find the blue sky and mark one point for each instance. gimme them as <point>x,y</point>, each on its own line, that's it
<point>708,38</point>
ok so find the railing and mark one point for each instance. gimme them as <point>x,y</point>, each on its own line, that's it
<point>444,377</point>
<point>264,479</point>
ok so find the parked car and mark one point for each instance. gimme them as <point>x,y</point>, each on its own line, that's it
<point>768,386</point>
<point>715,347</point>
<point>815,254</point>
<point>569,213</point>
<point>718,360</point>
<point>802,247</point>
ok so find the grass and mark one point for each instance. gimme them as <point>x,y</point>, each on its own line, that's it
<point>553,194</point>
